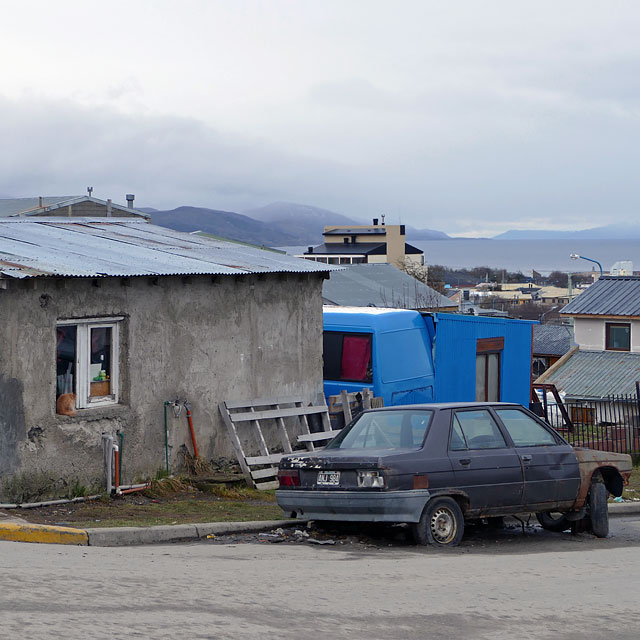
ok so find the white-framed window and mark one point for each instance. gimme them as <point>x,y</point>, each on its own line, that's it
<point>87,360</point>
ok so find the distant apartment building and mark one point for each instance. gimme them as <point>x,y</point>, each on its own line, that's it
<point>376,243</point>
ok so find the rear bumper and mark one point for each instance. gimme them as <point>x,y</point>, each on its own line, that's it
<point>364,506</point>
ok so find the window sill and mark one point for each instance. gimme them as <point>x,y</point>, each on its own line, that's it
<point>95,413</point>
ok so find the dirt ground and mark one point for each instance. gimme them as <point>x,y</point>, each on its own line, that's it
<point>218,504</point>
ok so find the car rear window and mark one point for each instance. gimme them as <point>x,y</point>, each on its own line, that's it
<point>385,430</point>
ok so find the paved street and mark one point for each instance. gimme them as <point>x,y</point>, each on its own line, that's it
<point>496,585</point>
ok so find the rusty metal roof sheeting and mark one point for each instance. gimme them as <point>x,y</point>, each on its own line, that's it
<point>597,374</point>
<point>95,247</point>
<point>609,295</point>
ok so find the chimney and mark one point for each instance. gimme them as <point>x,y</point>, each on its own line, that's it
<point>310,249</point>
<point>346,240</point>
<point>89,191</point>
<point>402,230</point>
<point>375,222</point>
<point>130,198</point>
<point>40,201</point>
<point>109,207</point>
<point>382,216</point>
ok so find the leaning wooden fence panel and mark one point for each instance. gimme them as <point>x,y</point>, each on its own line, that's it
<point>250,419</point>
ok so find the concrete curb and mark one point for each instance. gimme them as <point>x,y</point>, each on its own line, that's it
<point>619,509</point>
<point>129,536</point>
<point>19,532</point>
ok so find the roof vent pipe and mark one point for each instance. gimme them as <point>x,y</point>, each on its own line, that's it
<point>375,222</point>
<point>39,201</point>
<point>109,207</point>
<point>382,216</point>
<point>130,198</point>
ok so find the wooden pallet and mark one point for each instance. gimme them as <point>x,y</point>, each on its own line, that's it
<point>261,471</point>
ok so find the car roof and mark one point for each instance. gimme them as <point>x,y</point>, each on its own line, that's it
<point>438,406</point>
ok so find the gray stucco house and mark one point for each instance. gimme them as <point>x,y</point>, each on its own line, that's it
<point>119,316</point>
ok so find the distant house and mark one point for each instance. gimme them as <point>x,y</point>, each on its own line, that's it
<point>606,319</point>
<point>69,206</point>
<point>550,343</point>
<point>108,318</point>
<point>365,244</point>
<point>382,285</point>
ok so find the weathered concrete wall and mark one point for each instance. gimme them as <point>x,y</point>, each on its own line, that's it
<point>200,339</point>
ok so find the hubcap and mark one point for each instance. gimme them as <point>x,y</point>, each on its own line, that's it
<point>443,525</point>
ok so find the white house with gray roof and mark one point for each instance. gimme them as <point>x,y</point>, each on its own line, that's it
<point>606,361</point>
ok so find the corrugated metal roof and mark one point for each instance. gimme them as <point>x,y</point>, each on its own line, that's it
<point>13,206</point>
<point>552,339</point>
<point>381,285</point>
<point>597,374</point>
<point>95,247</point>
<point>609,295</point>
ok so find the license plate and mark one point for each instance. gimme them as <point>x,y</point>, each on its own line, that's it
<point>328,478</point>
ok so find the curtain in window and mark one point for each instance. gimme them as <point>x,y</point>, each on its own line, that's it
<point>356,353</point>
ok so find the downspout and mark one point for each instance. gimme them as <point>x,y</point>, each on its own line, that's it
<point>107,447</point>
<point>193,435</point>
<point>116,467</point>
<point>120,434</point>
<point>166,436</point>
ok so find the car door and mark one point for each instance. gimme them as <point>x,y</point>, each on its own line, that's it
<point>485,466</point>
<point>551,471</point>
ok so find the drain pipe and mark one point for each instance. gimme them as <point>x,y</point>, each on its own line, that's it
<point>120,434</point>
<point>107,447</point>
<point>116,467</point>
<point>166,436</point>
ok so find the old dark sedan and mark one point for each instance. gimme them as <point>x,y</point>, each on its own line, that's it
<point>435,465</point>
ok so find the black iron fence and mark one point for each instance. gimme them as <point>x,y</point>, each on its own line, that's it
<point>606,424</point>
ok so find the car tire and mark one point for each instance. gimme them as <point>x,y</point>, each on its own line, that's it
<point>556,522</point>
<point>598,509</point>
<point>441,524</point>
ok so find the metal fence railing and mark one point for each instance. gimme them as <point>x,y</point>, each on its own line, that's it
<point>606,424</point>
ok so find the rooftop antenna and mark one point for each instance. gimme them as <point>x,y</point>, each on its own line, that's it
<point>89,191</point>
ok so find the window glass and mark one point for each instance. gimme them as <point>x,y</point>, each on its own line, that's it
<point>356,358</point>
<point>524,430</point>
<point>493,377</point>
<point>65,359</point>
<point>87,364</point>
<point>457,438</point>
<point>384,430</point>
<point>347,356</point>
<point>619,337</point>
<point>480,430</point>
<point>100,362</point>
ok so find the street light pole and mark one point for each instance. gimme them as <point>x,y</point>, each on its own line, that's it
<point>575,256</point>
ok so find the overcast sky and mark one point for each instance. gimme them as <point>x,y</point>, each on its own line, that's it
<point>468,116</point>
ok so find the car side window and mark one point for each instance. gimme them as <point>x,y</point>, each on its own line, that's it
<point>524,430</point>
<point>457,437</point>
<point>479,429</point>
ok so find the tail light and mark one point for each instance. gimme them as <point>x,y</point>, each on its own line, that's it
<point>289,477</point>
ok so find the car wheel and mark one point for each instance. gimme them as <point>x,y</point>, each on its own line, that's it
<point>553,521</point>
<point>598,509</point>
<point>441,524</point>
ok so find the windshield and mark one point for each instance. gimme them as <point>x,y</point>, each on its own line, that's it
<point>385,430</point>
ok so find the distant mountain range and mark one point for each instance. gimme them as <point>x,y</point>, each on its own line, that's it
<point>276,224</point>
<point>608,232</point>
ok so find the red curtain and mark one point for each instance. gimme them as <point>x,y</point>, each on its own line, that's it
<point>356,353</point>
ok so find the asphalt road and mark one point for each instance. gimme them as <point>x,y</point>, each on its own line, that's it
<point>496,585</point>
